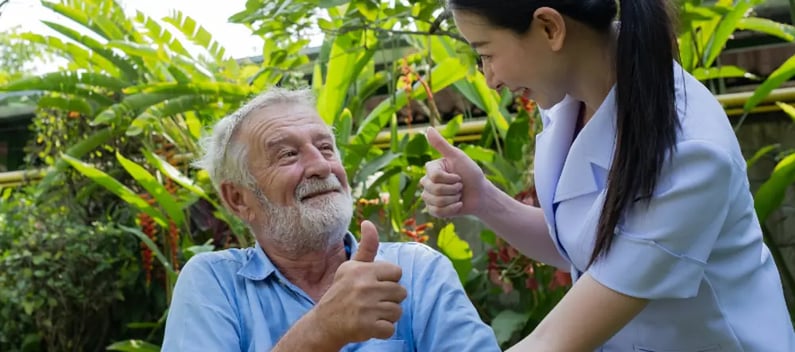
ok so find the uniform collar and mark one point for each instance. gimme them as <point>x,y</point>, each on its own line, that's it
<point>259,267</point>
<point>591,153</point>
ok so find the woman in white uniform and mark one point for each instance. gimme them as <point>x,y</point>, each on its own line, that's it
<point>643,189</point>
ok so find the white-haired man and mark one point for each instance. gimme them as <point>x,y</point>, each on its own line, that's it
<point>308,285</point>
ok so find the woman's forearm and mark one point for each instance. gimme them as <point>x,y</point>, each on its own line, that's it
<point>523,226</point>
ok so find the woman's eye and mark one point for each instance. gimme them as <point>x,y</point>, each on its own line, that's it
<point>482,59</point>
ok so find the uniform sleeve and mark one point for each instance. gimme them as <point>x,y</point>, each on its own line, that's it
<point>200,317</point>
<point>660,248</point>
<point>444,318</point>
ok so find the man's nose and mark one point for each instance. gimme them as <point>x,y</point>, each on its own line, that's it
<point>316,164</point>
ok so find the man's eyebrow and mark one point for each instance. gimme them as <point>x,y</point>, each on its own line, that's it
<point>272,142</point>
<point>322,136</point>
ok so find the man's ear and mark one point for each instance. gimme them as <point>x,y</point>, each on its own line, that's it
<point>553,25</point>
<point>235,198</point>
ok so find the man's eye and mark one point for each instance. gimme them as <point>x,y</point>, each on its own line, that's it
<point>287,154</point>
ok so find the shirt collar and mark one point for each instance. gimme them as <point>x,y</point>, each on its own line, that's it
<point>259,267</point>
<point>590,154</point>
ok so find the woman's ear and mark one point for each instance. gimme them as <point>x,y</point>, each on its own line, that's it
<point>552,24</point>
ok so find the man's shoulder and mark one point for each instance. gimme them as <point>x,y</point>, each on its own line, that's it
<point>232,258</point>
<point>399,252</point>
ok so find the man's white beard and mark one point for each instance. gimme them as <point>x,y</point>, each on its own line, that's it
<point>312,225</point>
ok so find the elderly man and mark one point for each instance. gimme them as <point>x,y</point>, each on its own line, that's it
<point>308,285</point>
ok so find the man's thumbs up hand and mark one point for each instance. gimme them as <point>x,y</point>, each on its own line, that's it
<point>364,300</point>
<point>368,246</point>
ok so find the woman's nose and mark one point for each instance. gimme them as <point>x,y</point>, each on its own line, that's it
<point>491,81</point>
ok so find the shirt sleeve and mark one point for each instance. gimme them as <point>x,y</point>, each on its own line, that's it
<point>200,317</point>
<point>444,318</point>
<point>661,247</point>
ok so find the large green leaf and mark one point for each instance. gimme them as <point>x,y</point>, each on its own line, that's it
<point>374,166</point>
<point>767,26</point>
<point>66,104</point>
<point>151,244</point>
<point>100,49</point>
<point>349,54</point>
<point>760,154</point>
<point>89,19</point>
<point>456,249</point>
<point>703,74</point>
<point>727,27</point>
<point>778,77</point>
<point>342,130</point>
<point>175,175</point>
<point>771,194</point>
<point>133,346</point>
<point>131,106</point>
<point>214,89</point>
<point>788,109</point>
<point>444,74</point>
<point>117,188</point>
<point>67,82</point>
<point>74,53</point>
<point>517,138</point>
<point>144,51</point>
<point>154,188</point>
<point>508,323</point>
<point>161,35</point>
<point>196,34</point>
<point>487,98</point>
<point>179,105</point>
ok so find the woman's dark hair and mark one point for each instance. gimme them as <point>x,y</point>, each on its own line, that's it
<point>647,121</point>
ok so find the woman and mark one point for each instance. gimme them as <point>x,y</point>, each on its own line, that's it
<point>640,178</point>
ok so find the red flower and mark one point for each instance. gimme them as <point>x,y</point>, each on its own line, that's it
<point>560,279</point>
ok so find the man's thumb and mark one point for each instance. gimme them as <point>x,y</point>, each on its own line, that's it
<point>440,144</point>
<point>368,246</point>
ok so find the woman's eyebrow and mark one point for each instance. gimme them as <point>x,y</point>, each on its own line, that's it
<point>476,45</point>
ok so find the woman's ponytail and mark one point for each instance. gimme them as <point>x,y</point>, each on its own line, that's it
<point>647,121</point>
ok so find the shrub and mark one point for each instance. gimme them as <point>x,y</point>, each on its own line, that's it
<point>59,277</point>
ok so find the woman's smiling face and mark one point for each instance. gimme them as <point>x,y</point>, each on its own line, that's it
<point>527,64</point>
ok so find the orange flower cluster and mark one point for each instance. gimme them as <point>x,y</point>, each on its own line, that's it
<point>166,150</point>
<point>149,228</point>
<point>406,82</point>
<point>526,104</point>
<point>173,231</point>
<point>414,231</point>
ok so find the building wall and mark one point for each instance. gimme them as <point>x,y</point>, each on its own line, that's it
<point>757,132</point>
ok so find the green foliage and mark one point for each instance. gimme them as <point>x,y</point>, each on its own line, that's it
<point>706,29</point>
<point>120,121</point>
<point>60,278</point>
<point>17,56</point>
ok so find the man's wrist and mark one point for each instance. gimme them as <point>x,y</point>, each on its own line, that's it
<point>310,333</point>
<point>324,334</point>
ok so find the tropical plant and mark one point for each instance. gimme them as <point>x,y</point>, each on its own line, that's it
<point>126,111</point>
<point>62,279</point>
<point>705,30</point>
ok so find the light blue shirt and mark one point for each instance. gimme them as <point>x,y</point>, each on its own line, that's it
<point>237,300</point>
<point>696,252</point>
